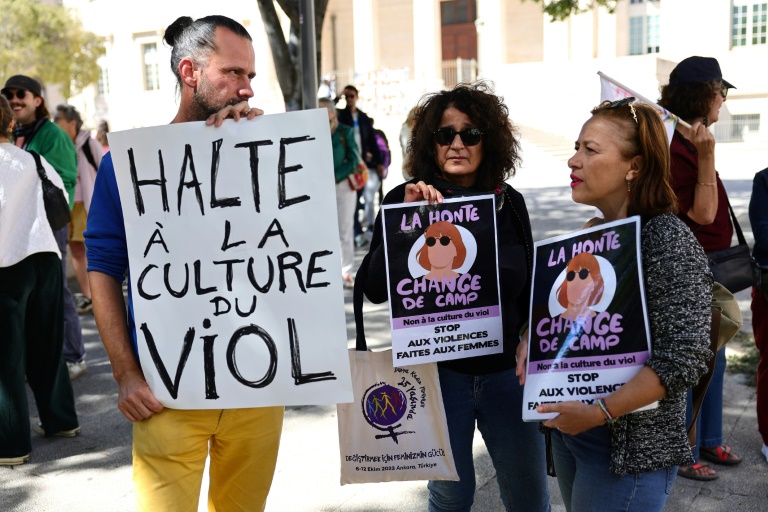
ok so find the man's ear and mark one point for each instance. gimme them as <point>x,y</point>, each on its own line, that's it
<point>187,72</point>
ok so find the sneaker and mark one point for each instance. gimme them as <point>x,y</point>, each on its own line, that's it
<point>765,452</point>
<point>361,240</point>
<point>13,461</point>
<point>83,304</point>
<point>348,281</point>
<point>76,369</point>
<point>37,426</point>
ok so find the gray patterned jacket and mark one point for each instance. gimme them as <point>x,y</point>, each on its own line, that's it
<point>678,290</point>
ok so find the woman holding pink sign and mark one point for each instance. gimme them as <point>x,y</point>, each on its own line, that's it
<point>606,456</point>
<point>463,144</point>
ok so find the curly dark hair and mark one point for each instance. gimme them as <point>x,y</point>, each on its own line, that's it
<point>690,100</point>
<point>487,111</point>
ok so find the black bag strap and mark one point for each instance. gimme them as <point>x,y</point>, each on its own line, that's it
<point>739,233</point>
<point>40,169</point>
<point>357,300</point>
<point>89,154</point>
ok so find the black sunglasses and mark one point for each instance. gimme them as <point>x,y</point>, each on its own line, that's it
<point>469,136</point>
<point>724,92</point>
<point>20,94</point>
<point>621,102</point>
<point>444,240</point>
<point>583,273</point>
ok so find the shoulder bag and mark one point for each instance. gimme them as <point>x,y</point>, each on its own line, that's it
<point>56,203</point>
<point>358,178</point>
<point>395,429</point>
<point>734,267</point>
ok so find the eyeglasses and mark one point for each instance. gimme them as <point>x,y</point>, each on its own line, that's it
<point>583,274</point>
<point>20,94</point>
<point>724,92</point>
<point>444,240</point>
<point>469,136</point>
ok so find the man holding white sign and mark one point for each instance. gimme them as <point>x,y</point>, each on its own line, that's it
<point>214,61</point>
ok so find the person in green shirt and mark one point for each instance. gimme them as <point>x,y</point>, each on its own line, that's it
<point>34,131</point>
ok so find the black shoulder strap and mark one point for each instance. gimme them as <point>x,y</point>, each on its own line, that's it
<point>40,169</point>
<point>360,278</point>
<point>89,154</point>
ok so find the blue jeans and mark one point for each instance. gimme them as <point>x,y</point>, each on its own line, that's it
<point>709,424</point>
<point>74,349</point>
<point>516,448</point>
<point>586,483</point>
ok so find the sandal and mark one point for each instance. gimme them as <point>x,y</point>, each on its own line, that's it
<point>720,455</point>
<point>696,472</point>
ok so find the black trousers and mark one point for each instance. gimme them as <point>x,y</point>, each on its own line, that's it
<point>31,340</point>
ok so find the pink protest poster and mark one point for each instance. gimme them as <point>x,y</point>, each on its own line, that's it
<point>588,329</point>
<point>443,279</point>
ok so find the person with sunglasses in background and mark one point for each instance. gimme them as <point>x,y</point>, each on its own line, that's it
<point>609,456</point>
<point>365,137</point>
<point>696,92</point>
<point>464,144</point>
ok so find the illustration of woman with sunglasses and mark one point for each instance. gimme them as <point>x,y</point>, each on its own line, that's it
<point>583,287</point>
<point>443,251</point>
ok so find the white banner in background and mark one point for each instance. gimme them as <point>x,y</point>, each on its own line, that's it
<point>235,269</point>
<point>612,91</point>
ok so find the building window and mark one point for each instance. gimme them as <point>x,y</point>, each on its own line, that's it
<point>743,124</point>
<point>644,35</point>
<point>653,35</point>
<point>102,86</point>
<point>456,12</point>
<point>151,70</point>
<point>759,15</point>
<point>749,23</point>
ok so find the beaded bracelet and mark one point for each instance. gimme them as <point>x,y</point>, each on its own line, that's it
<point>608,416</point>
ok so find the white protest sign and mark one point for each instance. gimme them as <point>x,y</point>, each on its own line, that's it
<point>589,330</point>
<point>235,264</point>
<point>443,279</point>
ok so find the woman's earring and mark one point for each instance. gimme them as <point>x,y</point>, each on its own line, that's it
<point>629,188</point>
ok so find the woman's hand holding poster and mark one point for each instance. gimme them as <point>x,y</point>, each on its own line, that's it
<point>443,279</point>
<point>588,331</point>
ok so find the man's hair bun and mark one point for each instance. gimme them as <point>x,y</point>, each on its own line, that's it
<point>176,28</point>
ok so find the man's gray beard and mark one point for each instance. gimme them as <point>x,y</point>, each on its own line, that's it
<point>201,109</point>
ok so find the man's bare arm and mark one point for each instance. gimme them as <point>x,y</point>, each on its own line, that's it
<point>135,399</point>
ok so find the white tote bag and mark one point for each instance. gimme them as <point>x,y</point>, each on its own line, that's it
<point>395,429</point>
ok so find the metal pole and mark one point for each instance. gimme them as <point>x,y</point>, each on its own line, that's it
<point>308,54</point>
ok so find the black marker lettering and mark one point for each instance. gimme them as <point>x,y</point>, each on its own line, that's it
<point>215,157</point>
<point>140,183</point>
<point>253,148</point>
<point>282,170</point>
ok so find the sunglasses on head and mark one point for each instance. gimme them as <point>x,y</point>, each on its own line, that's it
<point>469,136</point>
<point>621,102</point>
<point>583,273</point>
<point>444,240</point>
<point>724,92</point>
<point>20,93</point>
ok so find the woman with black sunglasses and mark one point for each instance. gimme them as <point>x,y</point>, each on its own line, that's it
<point>696,92</point>
<point>609,456</point>
<point>463,144</point>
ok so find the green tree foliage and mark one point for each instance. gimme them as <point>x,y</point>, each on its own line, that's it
<point>48,43</point>
<point>559,10</point>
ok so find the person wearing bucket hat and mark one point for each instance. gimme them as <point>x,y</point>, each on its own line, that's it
<point>696,92</point>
